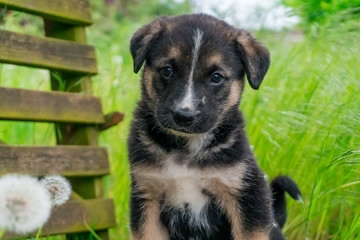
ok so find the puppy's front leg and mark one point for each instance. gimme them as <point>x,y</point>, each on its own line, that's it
<point>146,224</point>
<point>233,211</point>
<point>153,228</point>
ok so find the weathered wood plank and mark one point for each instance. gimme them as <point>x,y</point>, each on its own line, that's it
<point>77,12</point>
<point>68,161</point>
<point>29,105</point>
<point>71,134</point>
<point>89,188</point>
<point>73,217</point>
<point>49,53</point>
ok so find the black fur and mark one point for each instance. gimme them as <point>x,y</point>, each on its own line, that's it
<point>136,205</point>
<point>220,226</point>
<point>279,186</point>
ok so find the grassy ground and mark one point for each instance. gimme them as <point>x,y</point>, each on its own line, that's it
<point>303,122</point>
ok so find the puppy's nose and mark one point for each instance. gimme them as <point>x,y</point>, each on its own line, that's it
<point>184,116</point>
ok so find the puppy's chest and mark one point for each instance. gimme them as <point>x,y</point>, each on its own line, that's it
<point>191,189</point>
<point>185,188</point>
<point>182,187</point>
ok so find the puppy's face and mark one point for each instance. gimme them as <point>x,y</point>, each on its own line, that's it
<point>195,68</point>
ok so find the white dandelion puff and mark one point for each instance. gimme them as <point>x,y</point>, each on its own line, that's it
<point>24,204</point>
<point>58,187</point>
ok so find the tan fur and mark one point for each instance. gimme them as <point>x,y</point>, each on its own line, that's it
<point>147,181</point>
<point>226,195</point>
<point>198,142</point>
<point>232,209</point>
<point>215,58</point>
<point>148,83</point>
<point>247,41</point>
<point>235,93</point>
<point>174,52</point>
<point>234,96</point>
<point>261,235</point>
<point>153,228</point>
<point>233,99</point>
<point>134,236</point>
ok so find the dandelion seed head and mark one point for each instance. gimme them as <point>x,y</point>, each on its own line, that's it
<point>58,187</point>
<point>24,204</point>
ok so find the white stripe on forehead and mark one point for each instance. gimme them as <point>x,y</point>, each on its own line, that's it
<point>187,101</point>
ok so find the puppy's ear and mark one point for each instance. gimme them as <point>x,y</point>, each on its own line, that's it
<point>143,39</point>
<point>255,57</point>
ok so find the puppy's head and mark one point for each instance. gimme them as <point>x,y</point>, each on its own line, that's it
<point>194,69</point>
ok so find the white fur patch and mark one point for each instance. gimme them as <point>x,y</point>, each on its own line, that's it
<point>187,101</point>
<point>198,142</point>
<point>187,187</point>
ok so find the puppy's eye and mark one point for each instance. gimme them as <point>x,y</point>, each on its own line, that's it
<point>217,78</point>
<point>167,72</point>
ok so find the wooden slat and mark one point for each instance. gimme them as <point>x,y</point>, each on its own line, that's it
<point>77,12</point>
<point>49,53</point>
<point>73,217</point>
<point>111,119</point>
<point>68,161</point>
<point>29,105</point>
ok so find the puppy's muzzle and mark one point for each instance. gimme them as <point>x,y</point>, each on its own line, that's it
<point>184,116</point>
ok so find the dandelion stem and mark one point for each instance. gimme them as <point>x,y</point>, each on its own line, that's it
<point>2,231</point>
<point>1,67</point>
<point>39,233</point>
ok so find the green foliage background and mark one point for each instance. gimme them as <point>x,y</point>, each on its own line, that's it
<point>320,11</point>
<point>304,121</point>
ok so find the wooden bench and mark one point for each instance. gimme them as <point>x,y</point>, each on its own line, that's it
<point>77,115</point>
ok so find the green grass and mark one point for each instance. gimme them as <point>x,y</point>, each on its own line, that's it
<point>303,122</point>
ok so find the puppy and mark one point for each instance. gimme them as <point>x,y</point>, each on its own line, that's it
<point>193,173</point>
